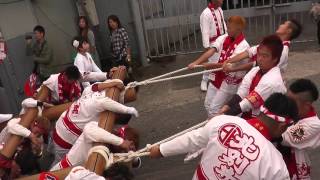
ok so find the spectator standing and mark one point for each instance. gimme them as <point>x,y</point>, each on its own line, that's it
<point>315,14</point>
<point>87,33</point>
<point>212,26</point>
<point>84,60</point>
<point>119,39</point>
<point>41,52</point>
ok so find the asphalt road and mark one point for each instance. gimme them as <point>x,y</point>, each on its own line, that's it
<point>170,107</point>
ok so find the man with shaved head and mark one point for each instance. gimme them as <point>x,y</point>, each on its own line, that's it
<point>305,134</point>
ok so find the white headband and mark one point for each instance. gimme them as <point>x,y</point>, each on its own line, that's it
<point>275,117</point>
<point>76,43</point>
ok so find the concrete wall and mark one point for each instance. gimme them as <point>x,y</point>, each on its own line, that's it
<point>123,11</point>
<point>17,19</point>
<point>5,108</point>
<point>59,18</point>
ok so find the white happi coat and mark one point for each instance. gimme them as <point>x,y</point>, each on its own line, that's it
<point>302,137</point>
<point>5,117</point>
<point>233,150</point>
<point>79,152</point>
<point>283,63</point>
<point>208,27</point>
<point>229,84</point>
<point>53,85</point>
<point>271,82</point>
<point>86,63</point>
<point>82,173</point>
<point>216,98</point>
<point>88,108</point>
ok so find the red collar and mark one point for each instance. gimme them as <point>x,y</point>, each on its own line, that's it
<point>122,131</point>
<point>229,45</point>
<point>212,6</point>
<point>67,92</point>
<point>255,81</point>
<point>311,113</point>
<point>261,127</point>
<point>286,43</point>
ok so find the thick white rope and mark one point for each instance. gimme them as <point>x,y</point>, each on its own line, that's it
<point>104,152</point>
<point>125,157</point>
<point>173,72</point>
<point>147,82</point>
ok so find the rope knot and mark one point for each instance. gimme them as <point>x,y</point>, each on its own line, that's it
<point>132,85</point>
<point>148,146</point>
<point>131,154</point>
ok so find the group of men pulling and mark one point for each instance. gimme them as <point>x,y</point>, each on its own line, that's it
<point>258,128</point>
<point>71,137</point>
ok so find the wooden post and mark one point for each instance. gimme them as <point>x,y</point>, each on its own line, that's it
<point>96,163</point>
<point>130,95</point>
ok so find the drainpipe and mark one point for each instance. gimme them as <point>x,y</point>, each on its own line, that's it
<point>139,30</point>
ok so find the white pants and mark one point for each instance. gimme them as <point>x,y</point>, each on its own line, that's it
<point>59,154</point>
<point>205,76</point>
<point>55,167</point>
<point>215,99</point>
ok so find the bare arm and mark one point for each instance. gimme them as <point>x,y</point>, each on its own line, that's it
<point>203,58</point>
<point>239,57</point>
<point>93,76</point>
<point>212,65</point>
<point>109,84</point>
<point>241,67</point>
